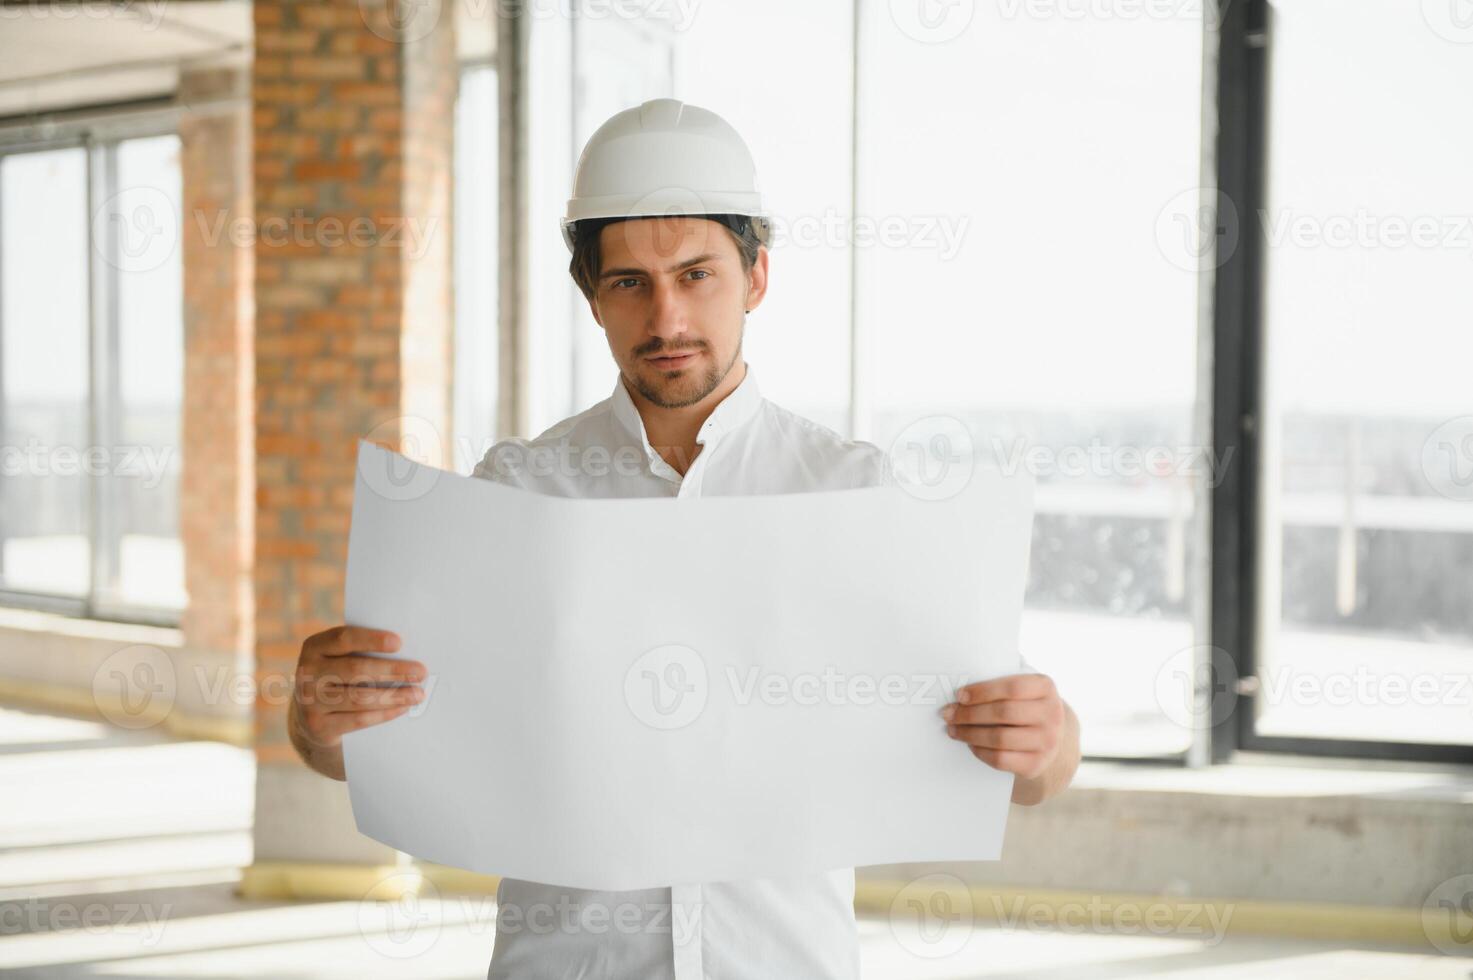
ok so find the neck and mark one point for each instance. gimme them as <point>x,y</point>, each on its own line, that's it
<point>672,431</point>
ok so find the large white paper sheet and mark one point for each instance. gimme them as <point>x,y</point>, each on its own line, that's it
<point>636,693</point>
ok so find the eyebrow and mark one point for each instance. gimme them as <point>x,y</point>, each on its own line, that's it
<point>611,273</point>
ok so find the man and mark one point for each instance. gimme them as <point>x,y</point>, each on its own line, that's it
<point>685,419</point>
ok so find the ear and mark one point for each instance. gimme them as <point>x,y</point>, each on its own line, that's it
<point>757,281</point>
<point>593,308</point>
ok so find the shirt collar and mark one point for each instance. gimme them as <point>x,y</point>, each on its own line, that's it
<point>738,407</point>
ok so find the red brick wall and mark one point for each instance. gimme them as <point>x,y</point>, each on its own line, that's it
<point>216,501</point>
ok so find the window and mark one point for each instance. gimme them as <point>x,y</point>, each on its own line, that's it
<point>476,315</point>
<point>44,496</point>
<point>144,560</point>
<point>1365,503</point>
<point>91,378</point>
<point>1023,301</point>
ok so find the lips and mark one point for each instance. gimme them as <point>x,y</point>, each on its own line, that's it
<point>674,360</point>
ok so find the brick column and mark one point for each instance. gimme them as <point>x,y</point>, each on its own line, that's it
<point>217,482</point>
<point>352,154</point>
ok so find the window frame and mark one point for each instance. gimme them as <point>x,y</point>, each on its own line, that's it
<point>500,233</point>
<point>98,134</point>
<point>1238,400</point>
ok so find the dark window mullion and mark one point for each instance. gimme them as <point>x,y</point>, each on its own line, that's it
<point>1236,312</point>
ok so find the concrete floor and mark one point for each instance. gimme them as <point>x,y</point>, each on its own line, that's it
<point>119,852</point>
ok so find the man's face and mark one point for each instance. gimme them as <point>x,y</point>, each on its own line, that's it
<point>671,296</point>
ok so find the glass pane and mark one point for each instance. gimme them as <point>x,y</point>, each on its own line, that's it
<point>43,352</point>
<point>798,341</point>
<point>1019,294</point>
<point>141,501</point>
<point>1365,626</point>
<point>619,61</point>
<point>476,315</point>
<point>795,114</point>
<point>553,305</point>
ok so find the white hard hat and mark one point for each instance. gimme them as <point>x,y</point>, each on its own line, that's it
<point>662,158</point>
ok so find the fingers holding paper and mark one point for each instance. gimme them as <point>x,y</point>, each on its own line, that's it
<point>1016,724</point>
<point>342,684</point>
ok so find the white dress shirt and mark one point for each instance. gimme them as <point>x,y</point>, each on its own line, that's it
<point>759,929</point>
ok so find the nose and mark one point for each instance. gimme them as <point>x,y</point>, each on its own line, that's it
<point>667,314</point>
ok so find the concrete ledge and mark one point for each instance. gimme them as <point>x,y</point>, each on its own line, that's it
<point>127,674</point>
<point>1309,848</point>
<point>1329,848</point>
<point>70,700</point>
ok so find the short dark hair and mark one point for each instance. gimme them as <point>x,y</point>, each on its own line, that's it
<point>749,234</point>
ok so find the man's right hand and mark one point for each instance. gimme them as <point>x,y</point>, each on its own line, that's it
<point>334,691</point>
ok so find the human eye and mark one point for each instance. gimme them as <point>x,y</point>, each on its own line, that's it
<point>701,272</point>
<point>615,283</point>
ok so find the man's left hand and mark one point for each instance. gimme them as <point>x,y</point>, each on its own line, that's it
<point>1015,724</point>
